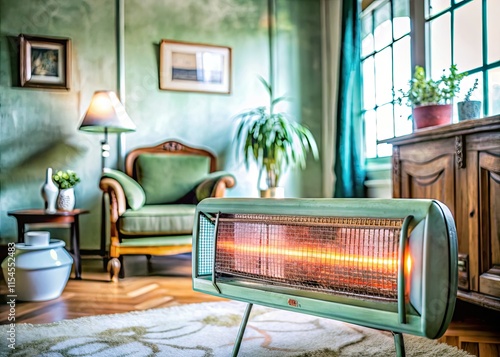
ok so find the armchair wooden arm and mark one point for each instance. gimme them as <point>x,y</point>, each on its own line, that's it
<point>117,206</point>
<point>117,199</point>
<point>220,188</point>
<point>214,185</point>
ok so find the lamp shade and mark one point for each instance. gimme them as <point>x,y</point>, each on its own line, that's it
<point>106,114</point>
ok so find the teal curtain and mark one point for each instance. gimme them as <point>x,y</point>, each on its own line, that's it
<point>349,160</point>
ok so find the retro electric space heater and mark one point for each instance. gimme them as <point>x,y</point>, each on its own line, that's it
<point>389,264</point>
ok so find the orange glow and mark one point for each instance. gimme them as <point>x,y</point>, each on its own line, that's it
<point>361,261</point>
<point>312,255</point>
<point>408,264</point>
<point>408,272</point>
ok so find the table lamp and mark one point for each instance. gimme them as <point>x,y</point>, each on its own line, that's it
<point>106,114</point>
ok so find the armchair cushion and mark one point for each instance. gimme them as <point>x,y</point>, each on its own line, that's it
<point>133,191</point>
<point>168,241</point>
<point>150,220</point>
<point>167,178</point>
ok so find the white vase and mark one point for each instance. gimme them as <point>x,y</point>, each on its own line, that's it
<point>66,199</point>
<point>49,192</point>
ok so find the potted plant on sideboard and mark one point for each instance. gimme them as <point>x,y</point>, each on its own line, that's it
<point>469,109</point>
<point>273,141</point>
<point>430,99</point>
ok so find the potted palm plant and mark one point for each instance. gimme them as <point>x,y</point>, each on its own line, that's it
<point>430,99</point>
<point>273,141</point>
<point>469,109</point>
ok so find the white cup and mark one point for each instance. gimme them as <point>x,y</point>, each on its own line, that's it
<point>37,238</point>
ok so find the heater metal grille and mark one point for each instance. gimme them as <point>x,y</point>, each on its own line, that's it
<point>206,230</point>
<point>350,256</point>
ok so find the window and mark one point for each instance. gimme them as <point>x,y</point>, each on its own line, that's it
<point>445,32</point>
<point>385,64</point>
<point>466,33</point>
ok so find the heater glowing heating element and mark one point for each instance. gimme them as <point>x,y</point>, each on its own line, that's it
<point>386,264</point>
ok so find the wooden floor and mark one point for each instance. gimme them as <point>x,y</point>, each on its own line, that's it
<point>167,284</point>
<point>474,329</point>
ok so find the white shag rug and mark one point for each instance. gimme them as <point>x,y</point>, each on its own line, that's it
<point>210,329</point>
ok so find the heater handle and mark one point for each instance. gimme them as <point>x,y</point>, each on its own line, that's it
<point>214,252</point>
<point>403,238</point>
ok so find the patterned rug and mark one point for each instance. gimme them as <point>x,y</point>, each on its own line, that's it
<point>209,329</point>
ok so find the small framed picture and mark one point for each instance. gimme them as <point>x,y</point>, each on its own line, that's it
<point>45,62</point>
<point>195,67</point>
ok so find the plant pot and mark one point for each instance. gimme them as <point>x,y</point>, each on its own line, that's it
<point>470,109</point>
<point>431,115</point>
<point>66,199</point>
<point>273,192</point>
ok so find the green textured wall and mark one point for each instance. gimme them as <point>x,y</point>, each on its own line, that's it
<point>298,75</point>
<point>38,128</point>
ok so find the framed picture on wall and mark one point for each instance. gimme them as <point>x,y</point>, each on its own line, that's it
<point>45,62</point>
<point>195,67</point>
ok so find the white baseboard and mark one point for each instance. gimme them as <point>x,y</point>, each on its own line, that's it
<point>379,188</point>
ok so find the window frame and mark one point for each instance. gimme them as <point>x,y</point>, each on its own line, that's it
<point>419,52</point>
<point>371,7</point>
<point>483,68</point>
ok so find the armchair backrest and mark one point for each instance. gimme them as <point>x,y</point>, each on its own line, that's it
<point>169,172</point>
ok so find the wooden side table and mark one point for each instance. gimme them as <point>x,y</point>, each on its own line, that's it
<point>30,216</point>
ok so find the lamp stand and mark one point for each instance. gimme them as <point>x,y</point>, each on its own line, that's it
<point>104,149</point>
<point>104,154</point>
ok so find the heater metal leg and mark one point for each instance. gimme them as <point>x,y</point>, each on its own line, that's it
<point>241,331</point>
<point>399,343</point>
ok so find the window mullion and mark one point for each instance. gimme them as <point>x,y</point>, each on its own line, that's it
<point>392,68</point>
<point>452,37</point>
<point>417,34</point>
<point>486,99</point>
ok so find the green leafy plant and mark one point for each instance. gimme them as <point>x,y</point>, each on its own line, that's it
<point>425,91</point>
<point>472,89</point>
<point>65,179</point>
<point>272,140</point>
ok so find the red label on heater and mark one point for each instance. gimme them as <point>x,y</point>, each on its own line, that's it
<point>293,303</point>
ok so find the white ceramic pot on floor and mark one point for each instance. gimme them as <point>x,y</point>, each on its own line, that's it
<point>41,271</point>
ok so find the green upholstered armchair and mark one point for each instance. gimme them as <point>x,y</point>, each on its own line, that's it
<point>152,204</point>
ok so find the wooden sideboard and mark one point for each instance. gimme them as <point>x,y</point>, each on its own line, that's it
<point>459,165</point>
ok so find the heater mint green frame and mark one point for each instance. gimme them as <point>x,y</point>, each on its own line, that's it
<point>428,309</point>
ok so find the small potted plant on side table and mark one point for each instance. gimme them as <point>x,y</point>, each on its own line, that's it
<point>430,99</point>
<point>66,181</point>
<point>469,109</point>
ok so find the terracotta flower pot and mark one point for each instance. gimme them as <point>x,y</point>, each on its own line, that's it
<point>431,115</point>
